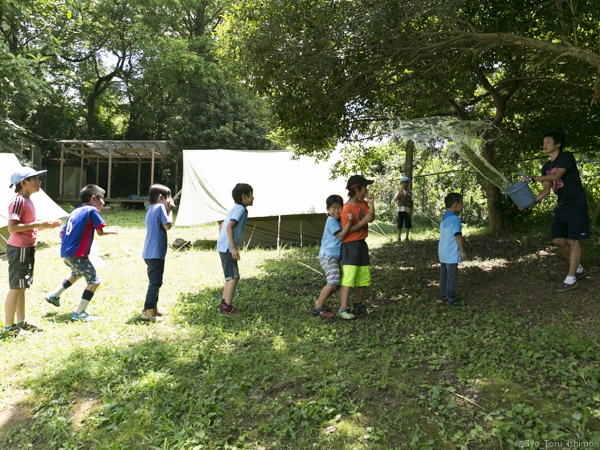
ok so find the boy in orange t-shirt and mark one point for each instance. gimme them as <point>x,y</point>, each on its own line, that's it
<point>356,265</point>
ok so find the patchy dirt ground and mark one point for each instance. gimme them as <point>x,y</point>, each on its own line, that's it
<point>513,273</point>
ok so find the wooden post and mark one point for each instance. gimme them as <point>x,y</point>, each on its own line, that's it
<point>60,175</point>
<point>176,177</point>
<point>97,171</point>
<point>152,167</point>
<point>139,175</point>
<point>81,171</point>
<point>109,167</point>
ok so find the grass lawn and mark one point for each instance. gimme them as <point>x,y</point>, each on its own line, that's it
<point>518,366</point>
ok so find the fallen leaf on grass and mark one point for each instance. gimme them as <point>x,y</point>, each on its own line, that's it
<point>330,430</point>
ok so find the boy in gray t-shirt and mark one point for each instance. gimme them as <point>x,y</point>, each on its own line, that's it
<point>159,219</point>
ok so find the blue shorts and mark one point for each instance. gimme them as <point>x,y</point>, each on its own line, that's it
<point>331,266</point>
<point>230,266</point>
<point>82,267</point>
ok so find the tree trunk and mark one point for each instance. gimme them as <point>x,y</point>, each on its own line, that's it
<point>492,192</point>
<point>408,165</point>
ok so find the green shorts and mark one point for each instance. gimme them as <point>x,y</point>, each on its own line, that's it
<point>359,276</point>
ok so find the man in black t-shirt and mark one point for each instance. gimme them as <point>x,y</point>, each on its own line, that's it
<point>570,220</point>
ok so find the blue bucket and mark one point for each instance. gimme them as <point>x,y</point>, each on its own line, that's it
<point>521,194</point>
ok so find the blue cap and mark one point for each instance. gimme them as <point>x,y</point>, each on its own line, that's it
<point>25,172</point>
<point>403,179</point>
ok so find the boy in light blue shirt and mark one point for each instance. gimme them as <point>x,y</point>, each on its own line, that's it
<point>330,253</point>
<point>230,235</point>
<point>451,248</point>
<point>159,219</point>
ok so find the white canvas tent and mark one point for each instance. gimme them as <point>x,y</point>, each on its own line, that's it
<point>290,194</point>
<point>45,208</point>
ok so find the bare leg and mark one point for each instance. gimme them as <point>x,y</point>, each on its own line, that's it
<point>344,295</point>
<point>11,306</point>
<point>407,231</point>
<point>563,247</point>
<point>229,290</point>
<point>326,292</point>
<point>574,257</point>
<point>359,294</point>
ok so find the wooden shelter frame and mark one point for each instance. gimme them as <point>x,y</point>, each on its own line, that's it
<point>118,152</point>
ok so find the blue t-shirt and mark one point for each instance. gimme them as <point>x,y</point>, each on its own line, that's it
<point>448,250</point>
<point>78,232</point>
<point>239,215</point>
<point>330,244</point>
<point>155,245</point>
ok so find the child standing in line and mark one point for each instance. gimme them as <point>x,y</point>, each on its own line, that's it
<point>329,255</point>
<point>230,235</point>
<point>20,248</point>
<point>451,248</point>
<point>159,219</point>
<point>77,237</point>
<point>356,264</point>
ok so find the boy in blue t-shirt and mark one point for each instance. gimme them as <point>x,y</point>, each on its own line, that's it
<point>329,255</point>
<point>230,235</point>
<point>77,237</point>
<point>159,218</point>
<point>451,248</point>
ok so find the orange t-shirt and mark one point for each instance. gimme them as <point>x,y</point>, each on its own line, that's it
<point>358,212</point>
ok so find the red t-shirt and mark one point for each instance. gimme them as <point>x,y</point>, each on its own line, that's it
<point>358,211</point>
<point>22,209</point>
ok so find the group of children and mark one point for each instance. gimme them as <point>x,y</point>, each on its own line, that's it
<point>344,254</point>
<point>77,236</point>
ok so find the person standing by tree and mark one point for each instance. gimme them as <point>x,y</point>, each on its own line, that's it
<point>571,220</point>
<point>404,197</point>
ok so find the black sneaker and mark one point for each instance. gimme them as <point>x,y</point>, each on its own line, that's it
<point>358,308</point>
<point>29,327</point>
<point>579,276</point>
<point>13,331</point>
<point>454,303</point>
<point>564,287</point>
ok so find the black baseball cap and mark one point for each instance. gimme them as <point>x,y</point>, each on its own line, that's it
<point>357,180</point>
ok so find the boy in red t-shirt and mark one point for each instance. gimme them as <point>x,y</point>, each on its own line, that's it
<point>356,265</point>
<point>20,248</point>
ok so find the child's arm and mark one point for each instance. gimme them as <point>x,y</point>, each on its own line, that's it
<point>342,234</point>
<point>107,230</point>
<point>235,254</point>
<point>461,246</point>
<point>169,205</point>
<point>371,202</point>
<point>14,226</point>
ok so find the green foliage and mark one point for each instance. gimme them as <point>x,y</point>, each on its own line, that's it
<point>410,373</point>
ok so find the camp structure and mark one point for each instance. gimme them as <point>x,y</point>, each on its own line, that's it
<point>45,208</point>
<point>289,191</point>
<point>69,179</point>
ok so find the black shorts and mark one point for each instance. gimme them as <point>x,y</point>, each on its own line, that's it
<point>572,222</point>
<point>20,266</point>
<point>404,217</point>
<point>355,253</point>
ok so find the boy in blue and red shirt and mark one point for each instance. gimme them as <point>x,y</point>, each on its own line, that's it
<point>77,237</point>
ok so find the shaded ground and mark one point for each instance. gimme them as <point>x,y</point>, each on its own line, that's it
<point>517,274</point>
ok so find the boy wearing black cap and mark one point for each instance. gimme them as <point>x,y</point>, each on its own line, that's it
<point>20,248</point>
<point>356,265</point>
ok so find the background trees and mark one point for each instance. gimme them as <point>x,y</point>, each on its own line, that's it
<point>343,71</point>
<point>141,69</point>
